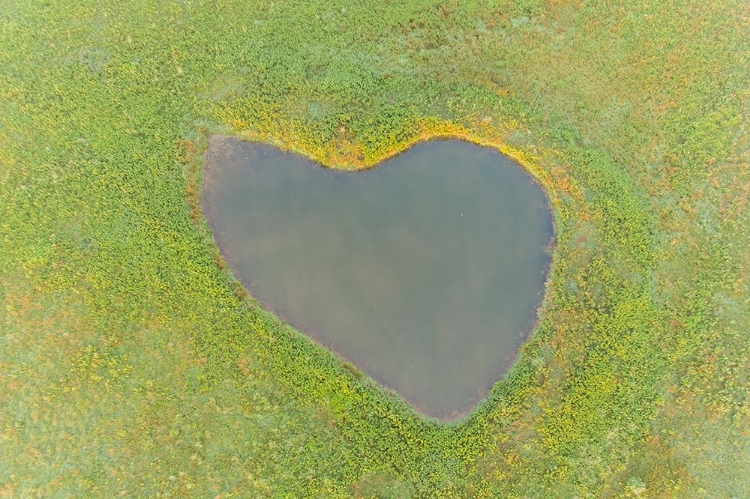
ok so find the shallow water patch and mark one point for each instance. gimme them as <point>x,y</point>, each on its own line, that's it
<point>425,272</point>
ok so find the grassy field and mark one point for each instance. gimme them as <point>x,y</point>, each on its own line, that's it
<point>133,364</point>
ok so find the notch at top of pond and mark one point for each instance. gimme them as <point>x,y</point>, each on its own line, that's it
<point>425,272</point>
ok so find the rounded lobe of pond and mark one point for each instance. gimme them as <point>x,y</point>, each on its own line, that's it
<point>425,272</point>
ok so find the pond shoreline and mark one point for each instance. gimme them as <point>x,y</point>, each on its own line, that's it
<point>222,144</point>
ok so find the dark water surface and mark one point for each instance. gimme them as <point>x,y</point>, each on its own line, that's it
<point>425,272</point>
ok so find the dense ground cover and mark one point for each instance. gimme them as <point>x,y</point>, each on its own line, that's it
<point>131,362</point>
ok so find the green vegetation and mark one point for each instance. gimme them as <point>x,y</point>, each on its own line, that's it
<point>132,363</point>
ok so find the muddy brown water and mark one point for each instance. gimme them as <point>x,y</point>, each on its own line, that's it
<point>425,272</point>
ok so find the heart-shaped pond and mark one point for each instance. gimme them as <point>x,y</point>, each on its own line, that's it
<point>425,272</point>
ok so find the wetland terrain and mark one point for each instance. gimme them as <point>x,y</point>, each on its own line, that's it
<point>138,359</point>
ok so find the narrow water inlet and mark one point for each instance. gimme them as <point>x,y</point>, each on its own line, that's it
<point>425,272</point>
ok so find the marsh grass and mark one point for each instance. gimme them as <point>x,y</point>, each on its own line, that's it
<point>132,363</point>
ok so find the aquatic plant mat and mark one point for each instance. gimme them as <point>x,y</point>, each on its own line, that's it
<point>132,363</point>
